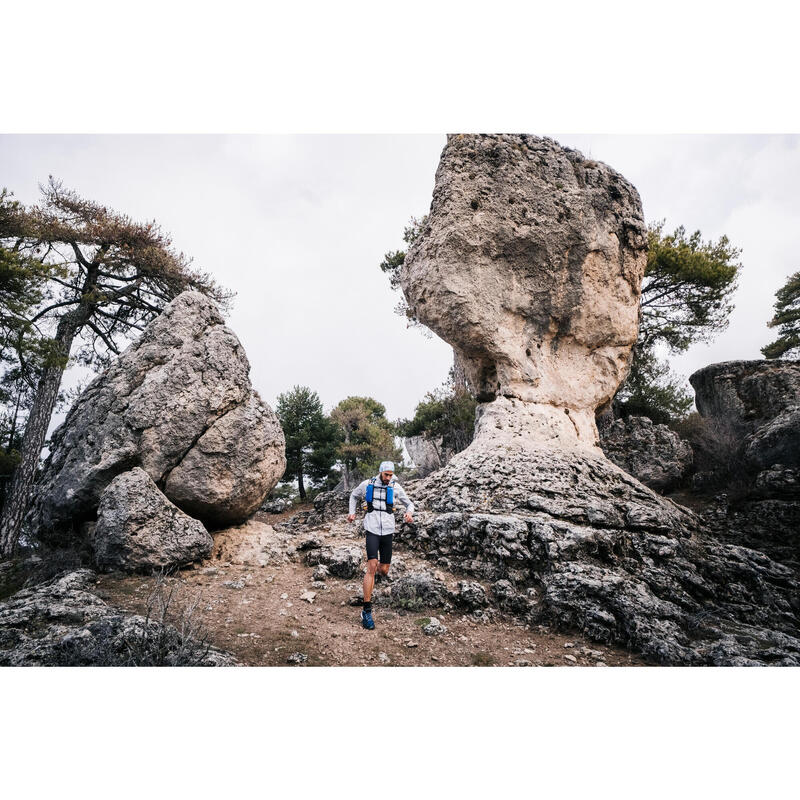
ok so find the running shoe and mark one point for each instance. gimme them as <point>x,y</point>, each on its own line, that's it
<point>367,621</point>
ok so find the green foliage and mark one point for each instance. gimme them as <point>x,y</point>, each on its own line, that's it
<point>686,298</point>
<point>312,438</point>
<point>394,259</point>
<point>687,288</point>
<point>367,436</point>
<point>448,412</point>
<point>786,319</point>
<point>651,390</point>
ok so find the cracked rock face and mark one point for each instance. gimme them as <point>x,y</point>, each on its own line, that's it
<point>746,394</point>
<point>139,529</point>
<point>179,396</point>
<point>652,453</point>
<point>530,266</point>
<point>570,539</point>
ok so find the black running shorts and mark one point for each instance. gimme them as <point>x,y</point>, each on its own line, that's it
<point>380,544</point>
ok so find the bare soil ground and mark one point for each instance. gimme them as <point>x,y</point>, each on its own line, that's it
<point>257,611</point>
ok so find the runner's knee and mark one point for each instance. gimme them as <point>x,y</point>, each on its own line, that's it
<point>372,566</point>
<point>383,569</point>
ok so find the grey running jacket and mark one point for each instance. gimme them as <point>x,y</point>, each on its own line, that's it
<point>378,521</point>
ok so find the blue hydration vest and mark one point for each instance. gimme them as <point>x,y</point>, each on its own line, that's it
<point>389,496</point>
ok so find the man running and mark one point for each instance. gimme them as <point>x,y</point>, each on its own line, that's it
<point>380,494</point>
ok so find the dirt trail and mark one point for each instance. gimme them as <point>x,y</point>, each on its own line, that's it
<point>257,611</point>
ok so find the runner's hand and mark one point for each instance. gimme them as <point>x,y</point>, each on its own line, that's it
<point>351,517</point>
<point>408,518</point>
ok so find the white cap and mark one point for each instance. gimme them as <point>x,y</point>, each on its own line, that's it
<point>386,466</point>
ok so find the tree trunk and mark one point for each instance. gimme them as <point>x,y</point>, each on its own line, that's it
<point>300,486</point>
<point>35,431</point>
<point>460,383</point>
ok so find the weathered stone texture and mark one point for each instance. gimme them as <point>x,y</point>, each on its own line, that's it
<point>138,529</point>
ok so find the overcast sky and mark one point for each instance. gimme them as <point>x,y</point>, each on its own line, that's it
<point>297,225</point>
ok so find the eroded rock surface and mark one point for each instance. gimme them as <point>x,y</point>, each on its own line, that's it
<point>570,539</point>
<point>63,623</point>
<point>746,394</point>
<point>138,529</point>
<point>168,401</point>
<point>653,454</point>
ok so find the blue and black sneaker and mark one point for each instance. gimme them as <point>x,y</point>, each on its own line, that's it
<point>367,621</point>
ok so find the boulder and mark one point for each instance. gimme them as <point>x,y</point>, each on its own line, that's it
<point>342,562</point>
<point>416,591</point>
<point>139,529</point>
<point>530,266</point>
<point>776,442</point>
<point>252,543</point>
<point>653,454</point>
<point>61,622</point>
<point>228,471</point>
<point>178,397</point>
<point>746,394</point>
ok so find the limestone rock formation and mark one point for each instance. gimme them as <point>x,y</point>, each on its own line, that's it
<point>653,454</point>
<point>755,406</point>
<point>746,394</point>
<point>427,454</point>
<point>139,529</point>
<point>179,397</point>
<point>231,467</point>
<point>530,265</point>
<point>61,622</point>
<point>776,442</point>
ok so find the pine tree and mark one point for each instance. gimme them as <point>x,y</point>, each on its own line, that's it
<point>108,276</point>
<point>311,437</point>
<point>786,320</point>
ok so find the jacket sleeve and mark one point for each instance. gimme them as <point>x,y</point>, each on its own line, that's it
<point>400,494</point>
<point>356,495</point>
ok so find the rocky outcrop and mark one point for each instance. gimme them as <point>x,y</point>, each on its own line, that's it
<point>751,412</point>
<point>746,394</point>
<point>653,454</point>
<point>179,404</point>
<point>426,454</point>
<point>572,540</point>
<point>63,623</point>
<point>530,265</point>
<point>776,442</point>
<point>139,529</point>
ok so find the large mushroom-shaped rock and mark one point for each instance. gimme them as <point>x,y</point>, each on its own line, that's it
<point>139,529</point>
<point>530,265</point>
<point>180,388</point>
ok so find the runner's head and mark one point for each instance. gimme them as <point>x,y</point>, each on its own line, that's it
<point>387,471</point>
